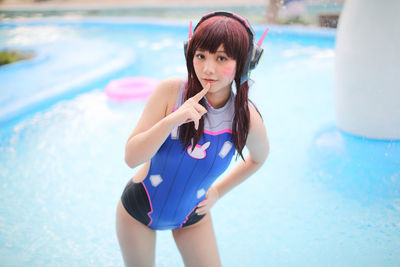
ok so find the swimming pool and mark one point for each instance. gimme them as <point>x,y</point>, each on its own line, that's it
<point>323,197</point>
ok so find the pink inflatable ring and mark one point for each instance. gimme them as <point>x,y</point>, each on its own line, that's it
<point>132,88</point>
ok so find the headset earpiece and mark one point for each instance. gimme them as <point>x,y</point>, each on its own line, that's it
<point>186,43</point>
<point>258,51</point>
<point>185,47</point>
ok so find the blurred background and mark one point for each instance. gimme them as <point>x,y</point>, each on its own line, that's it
<point>322,13</point>
<point>327,196</point>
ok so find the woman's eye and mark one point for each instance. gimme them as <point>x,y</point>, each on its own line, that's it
<point>200,56</point>
<point>221,58</point>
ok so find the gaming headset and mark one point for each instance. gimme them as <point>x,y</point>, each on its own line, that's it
<point>255,50</point>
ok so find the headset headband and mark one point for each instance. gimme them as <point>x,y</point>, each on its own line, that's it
<point>255,50</point>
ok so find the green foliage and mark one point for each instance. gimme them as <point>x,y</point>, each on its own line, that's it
<point>10,56</point>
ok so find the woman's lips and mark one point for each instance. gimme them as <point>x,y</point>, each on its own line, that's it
<point>209,80</point>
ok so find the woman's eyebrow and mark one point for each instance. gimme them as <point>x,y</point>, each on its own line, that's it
<point>203,50</point>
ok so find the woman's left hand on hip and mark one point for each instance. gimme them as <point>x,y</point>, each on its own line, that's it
<point>205,205</point>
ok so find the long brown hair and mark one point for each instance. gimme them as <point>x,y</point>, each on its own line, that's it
<point>209,35</point>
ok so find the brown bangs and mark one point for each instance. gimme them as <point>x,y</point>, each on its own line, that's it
<point>222,30</point>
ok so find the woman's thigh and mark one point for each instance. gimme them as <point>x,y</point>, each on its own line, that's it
<point>136,240</point>
<point>197,244</point>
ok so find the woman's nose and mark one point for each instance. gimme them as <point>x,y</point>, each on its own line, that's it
<point>209,66</point>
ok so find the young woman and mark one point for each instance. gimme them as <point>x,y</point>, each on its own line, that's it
<point>186,137</point>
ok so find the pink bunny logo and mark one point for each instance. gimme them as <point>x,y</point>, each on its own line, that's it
<point>199,152</point>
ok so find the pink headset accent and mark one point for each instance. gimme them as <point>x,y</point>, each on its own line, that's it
<point>259,43</point>
<point>241,19</point>
<point>190,30</point>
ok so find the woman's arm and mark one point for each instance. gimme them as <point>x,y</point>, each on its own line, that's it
<point>155,124</point>
<point>258,147</point>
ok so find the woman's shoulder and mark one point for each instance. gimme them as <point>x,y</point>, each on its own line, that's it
<point>257,140</point>
<point>170,85</point>
<point>256,120</point>
<point>169,89</point>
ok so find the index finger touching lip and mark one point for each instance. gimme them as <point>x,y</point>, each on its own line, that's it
<point>202,93</point>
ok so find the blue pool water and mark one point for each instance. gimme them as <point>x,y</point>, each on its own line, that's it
<point>323,198</point>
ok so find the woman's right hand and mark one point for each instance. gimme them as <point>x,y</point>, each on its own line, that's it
<point>191,110</point>
<point>154,127</point>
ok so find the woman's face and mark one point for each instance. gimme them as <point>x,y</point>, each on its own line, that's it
<point>217,69</point>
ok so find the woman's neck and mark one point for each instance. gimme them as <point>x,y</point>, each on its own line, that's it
<point>218,99</point>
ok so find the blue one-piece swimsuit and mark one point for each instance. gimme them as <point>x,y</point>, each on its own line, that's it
<point>178,180</point>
